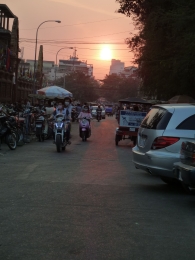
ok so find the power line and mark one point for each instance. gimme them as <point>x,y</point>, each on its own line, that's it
<point>75,24</point>
<point>73,38</point>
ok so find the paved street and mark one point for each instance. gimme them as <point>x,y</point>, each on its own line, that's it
<point>89,202</point>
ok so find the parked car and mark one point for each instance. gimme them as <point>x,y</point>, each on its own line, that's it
<point>94,113</point>
<point>185,169</point>
<point>160,137</point>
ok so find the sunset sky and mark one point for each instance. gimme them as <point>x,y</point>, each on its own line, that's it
<point>87,25</point>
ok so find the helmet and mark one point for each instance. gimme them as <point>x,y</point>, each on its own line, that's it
<point>85,109</point>
<point>68,99</point>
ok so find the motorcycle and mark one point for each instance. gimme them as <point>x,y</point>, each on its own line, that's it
<point>74,115</point>
<point>48,131</point>
<point>60,128</point>
<point>40,126</point>
<point>99,115</point>
<point>8,131</point>
<point>84,129</point>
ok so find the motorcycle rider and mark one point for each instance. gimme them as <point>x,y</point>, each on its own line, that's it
<point>68,108</point>
<point>41,106</point>
<point>98,110</point>
<point>67,116</point>
<point>85,113</point>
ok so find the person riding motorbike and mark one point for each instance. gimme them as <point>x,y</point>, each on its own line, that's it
<point>41,106</point>
<point>99,110</point>
<point>85,113</point>
<point>68,109</point>
<point>67,116</point>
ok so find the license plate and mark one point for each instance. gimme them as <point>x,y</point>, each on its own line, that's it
<point>132,129</point>
<point>38,125</point>
<point>83,129</point>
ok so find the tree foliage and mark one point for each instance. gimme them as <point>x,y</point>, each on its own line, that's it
<point>115,87</point>
<point>164,46</point>
<point>83,88</point>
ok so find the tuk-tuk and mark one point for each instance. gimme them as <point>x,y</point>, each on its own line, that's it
<point>131,112</point>
<point>109,110</point>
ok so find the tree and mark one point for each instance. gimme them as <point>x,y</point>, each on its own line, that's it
<point>83,88</point>
<point>164,46</point>
<point>115,87</point>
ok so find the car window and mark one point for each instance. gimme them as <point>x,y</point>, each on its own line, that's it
<point>157,118</point>
<point>187,124</point>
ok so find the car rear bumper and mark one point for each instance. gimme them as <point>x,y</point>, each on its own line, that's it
<point>185,173</point>
<point>157,163</point>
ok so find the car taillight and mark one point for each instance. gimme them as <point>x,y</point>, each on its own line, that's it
<point>163,141</point>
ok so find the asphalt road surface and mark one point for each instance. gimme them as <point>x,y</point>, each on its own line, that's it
<point>89,202</point>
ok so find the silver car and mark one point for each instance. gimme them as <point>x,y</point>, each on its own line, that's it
<point>185,169</point>
<point>160,137</point>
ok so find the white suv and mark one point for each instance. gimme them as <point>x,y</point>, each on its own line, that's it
<point>160,137</point>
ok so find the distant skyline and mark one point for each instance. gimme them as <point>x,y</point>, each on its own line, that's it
<point>88,26</point>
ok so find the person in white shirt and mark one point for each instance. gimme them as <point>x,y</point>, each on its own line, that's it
<point>85,113</point>
<point>67,105</point>
<point>67,116</point>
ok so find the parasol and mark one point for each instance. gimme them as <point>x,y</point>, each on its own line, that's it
<point>54,92</point>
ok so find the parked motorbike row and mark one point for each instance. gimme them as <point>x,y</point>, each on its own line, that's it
<point>17,125</point>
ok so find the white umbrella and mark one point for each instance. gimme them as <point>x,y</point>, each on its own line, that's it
<point>54,92</point>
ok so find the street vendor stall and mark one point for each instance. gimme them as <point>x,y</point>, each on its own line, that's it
<point>131,112</point>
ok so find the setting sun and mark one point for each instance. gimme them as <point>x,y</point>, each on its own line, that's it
<point>106,53</point>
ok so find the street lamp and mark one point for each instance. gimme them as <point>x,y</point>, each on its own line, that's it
<point>57,55</point>
<point>56,21</point>
<point>64,80</point>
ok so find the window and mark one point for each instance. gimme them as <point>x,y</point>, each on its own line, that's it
<point>187,124</point>
<point>157,118</point>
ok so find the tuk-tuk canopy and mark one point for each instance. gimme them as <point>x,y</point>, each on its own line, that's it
<point>134,100</point>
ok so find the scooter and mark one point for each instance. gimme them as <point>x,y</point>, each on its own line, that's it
<point>8,131</point>
<point>74,115</point>
<point>99,115</point>
<point>84,129</point>
<point>40,126</point>
<point>60,128</point>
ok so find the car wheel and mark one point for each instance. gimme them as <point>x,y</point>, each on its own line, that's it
<point>188,189</point>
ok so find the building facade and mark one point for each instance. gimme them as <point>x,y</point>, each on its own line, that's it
<point>116,67</point>
<point>16,83</point>
<point>69,66</point>
<point>130,71</point>
<point>8,54</point>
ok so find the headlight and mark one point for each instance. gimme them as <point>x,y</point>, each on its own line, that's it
<point>58,125</point>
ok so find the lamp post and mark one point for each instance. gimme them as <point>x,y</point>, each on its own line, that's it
<point>56,21</point>
<point>64,79</point>
<point>57,56</point>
